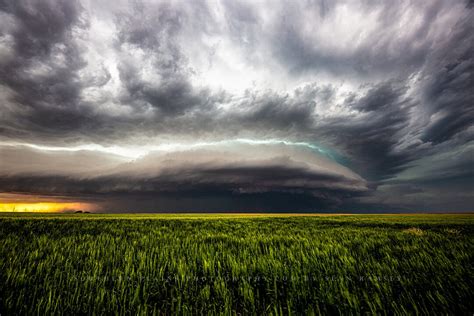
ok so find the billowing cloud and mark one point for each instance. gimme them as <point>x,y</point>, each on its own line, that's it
<point>235,168</point>
<point>328,105</point>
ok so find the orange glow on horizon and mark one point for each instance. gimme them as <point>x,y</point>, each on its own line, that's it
<point>47,207</point>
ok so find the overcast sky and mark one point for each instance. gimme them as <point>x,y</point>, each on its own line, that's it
<point>238,105</point>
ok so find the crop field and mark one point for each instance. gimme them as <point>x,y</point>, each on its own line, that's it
<point>236,264</point>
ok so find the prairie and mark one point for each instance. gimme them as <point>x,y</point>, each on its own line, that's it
<point>236,264</point>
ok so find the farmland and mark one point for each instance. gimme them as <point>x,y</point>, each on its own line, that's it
<point>235,264</point>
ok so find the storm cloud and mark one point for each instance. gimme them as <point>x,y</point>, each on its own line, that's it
<point>237,105</point>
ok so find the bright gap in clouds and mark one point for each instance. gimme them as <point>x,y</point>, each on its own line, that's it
<point>134,152</point>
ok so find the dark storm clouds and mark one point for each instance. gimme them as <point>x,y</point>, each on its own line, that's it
<point>243,170</point>
<point>386,85</point>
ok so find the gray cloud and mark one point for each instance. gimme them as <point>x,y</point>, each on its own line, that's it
<point>386,95</point>
<point>39,74</point>
<point>240,170</point>
<point>375,45</point>
<point>447,92</point>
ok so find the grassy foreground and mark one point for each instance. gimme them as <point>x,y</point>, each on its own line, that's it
<point>193,264</point>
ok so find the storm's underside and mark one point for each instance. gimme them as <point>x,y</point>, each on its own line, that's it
<point>232,106</point>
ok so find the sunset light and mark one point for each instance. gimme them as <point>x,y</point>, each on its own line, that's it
<point>46,207</point>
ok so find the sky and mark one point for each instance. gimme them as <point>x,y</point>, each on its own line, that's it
<point>237,106</point>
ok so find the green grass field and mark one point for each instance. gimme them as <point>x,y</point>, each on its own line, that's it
<point>236,264</point>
